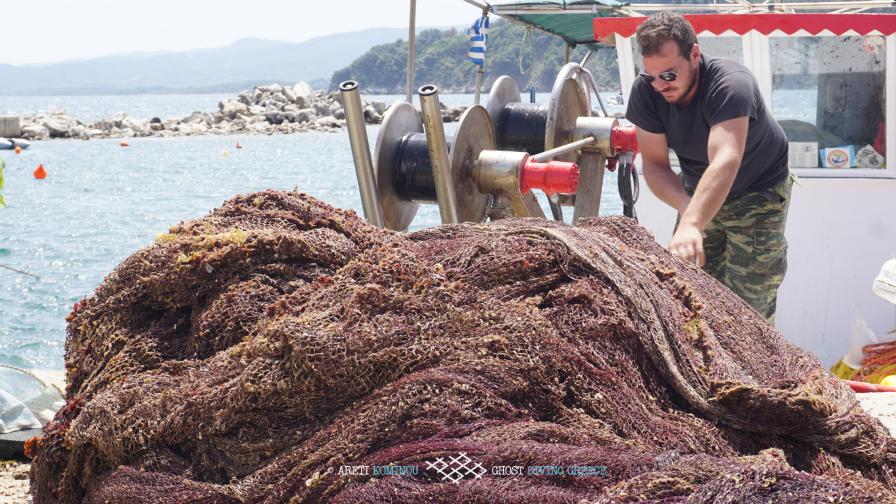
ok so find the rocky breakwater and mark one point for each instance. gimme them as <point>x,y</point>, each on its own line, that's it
<point>264,110</point>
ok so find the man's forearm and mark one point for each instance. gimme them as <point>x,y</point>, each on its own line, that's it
<point>666,185</point>
<point>710,194</point>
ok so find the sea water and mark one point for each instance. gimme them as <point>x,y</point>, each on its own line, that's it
<point>102,202</point>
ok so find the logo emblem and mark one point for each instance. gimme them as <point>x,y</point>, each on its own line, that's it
<point>457,468</point>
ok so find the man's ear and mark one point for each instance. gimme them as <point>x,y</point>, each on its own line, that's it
<point>695,53</point>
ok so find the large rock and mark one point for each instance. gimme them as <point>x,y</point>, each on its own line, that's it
<point>274,117</point>
<point>305,115</point>
<point>58,125</point>
<point>289,94</point>
<point>118,119</point>
<point>192,128</point>
<point>197,117</point>
<point>327,122</point>
<point>304,94</point>
<point>371,116</point>
<point>271,88</point>
<point>35,132</point>
<point>321,108</point>
<point>136,126</point>
<point>273,103</point>
<point>231,108</point>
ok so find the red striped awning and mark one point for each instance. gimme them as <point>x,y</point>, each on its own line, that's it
<point>837,24</point>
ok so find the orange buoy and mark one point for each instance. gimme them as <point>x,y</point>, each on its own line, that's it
<point>18,150</point>
<point>124,144</point>
<point>238,146</point>
<point>40,173</point>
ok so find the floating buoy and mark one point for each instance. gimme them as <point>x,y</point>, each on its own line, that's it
<point>40,173</point>
<point>238,146</point>
<point>124,144</point>
<point>18,150</point>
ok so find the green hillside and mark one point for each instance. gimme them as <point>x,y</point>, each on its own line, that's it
<point>441,59</point>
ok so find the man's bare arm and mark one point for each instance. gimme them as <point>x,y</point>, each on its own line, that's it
<point>727,141</point>
<point>659,175</point>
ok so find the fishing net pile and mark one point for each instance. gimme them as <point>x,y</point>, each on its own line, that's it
<point>254,354</point>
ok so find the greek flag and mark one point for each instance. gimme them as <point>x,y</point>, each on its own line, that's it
<point>478,35</point>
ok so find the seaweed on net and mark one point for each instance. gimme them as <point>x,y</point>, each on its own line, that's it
<point>244,356</point>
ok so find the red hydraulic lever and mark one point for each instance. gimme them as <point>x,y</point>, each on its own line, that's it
<point>624,138</point>
<point>552,177</point>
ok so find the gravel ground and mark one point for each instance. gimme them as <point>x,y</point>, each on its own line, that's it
<point>14,483</point>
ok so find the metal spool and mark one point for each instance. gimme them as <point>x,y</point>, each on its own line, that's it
<point>404,169</point>
<point>534,128</point>
<point>401,119</point>
<point>569,101</point>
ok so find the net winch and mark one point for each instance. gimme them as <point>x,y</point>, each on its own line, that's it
<point>567,118</point>
<point>467,177</point>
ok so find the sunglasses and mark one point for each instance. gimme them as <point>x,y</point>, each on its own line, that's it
<point>668,75</point>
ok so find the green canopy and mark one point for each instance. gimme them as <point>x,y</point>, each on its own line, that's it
<point>571,19</point>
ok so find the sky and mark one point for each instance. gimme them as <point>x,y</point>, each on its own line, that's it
<point>48,31</point>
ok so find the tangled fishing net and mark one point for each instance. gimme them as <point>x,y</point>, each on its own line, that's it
<point>273,349</point>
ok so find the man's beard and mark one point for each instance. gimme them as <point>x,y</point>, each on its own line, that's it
<point>680,102</point>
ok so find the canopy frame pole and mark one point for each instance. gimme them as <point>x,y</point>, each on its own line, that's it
<point>587,57</point>
<point>480,71</point>
<point>412,38</point>
<point>484,6</point>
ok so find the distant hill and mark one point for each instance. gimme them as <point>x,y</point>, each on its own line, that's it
<point>441,59</point>
<point>240,65</point>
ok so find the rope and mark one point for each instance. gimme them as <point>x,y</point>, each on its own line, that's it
<point>527,34</point>
<point>629,186</point>
<point>20,271</point>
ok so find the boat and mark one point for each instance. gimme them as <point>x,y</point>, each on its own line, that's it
<point>822,67</point>
<point>27,403</point>
<point>20,142</point>
<point>6,144</point>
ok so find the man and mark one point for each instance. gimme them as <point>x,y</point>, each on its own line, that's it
<point>734,190</point>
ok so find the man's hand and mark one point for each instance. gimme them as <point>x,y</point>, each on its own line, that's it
<point>725,151</point>
<point>687,243</point>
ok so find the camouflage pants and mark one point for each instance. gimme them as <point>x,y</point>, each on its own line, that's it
<point>745,245</point>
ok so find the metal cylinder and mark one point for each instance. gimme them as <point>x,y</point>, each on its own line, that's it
<point>357,135</point>
<point>438,153</point>
<point>499,171</point>
<point>412,173</point>
<point>599,128</point>
<point>522,127</point>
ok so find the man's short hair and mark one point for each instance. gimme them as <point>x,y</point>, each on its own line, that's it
<point>664,26</point>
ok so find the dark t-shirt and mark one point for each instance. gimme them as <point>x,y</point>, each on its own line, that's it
<point>726,90</point>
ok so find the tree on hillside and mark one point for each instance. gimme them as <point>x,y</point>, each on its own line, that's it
<point>441,59</point>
